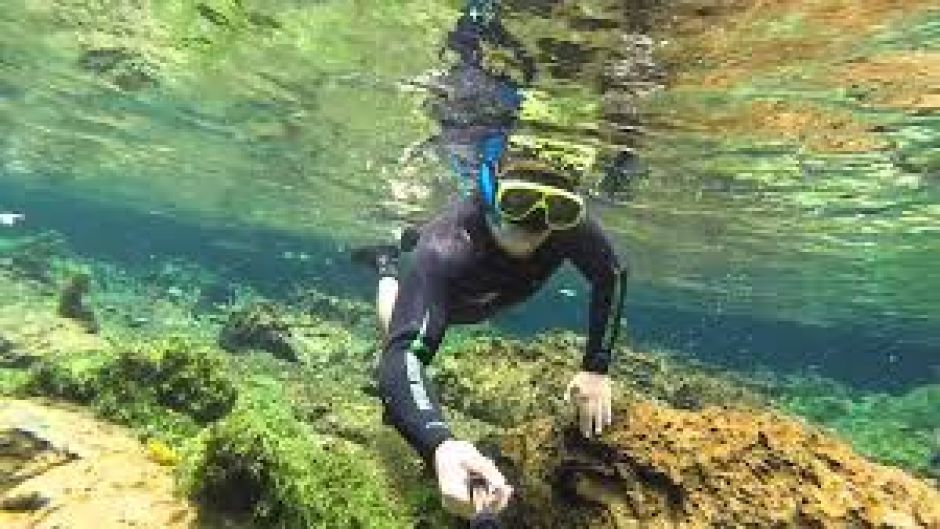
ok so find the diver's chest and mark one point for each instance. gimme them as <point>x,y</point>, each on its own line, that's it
<point>513,274</point>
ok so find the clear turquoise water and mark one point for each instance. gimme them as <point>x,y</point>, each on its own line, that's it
<point>262,141</point>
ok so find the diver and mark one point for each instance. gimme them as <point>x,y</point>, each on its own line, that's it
<point>487,251</point>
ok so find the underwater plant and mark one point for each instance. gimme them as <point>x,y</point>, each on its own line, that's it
<point>259,326</point>
<point>73,304</point>
<point>164,388</point>
<point>261,462</point>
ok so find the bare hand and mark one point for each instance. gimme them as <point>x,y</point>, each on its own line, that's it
<point>592,398</point>
<point>469,482</point>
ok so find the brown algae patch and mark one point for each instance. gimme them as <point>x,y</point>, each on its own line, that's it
<point>819,129</point>
<point>731,43</point>
<point>909,81</point>
<point>815,127</point>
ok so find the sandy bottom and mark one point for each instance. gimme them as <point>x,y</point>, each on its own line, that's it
<point>70,470</point>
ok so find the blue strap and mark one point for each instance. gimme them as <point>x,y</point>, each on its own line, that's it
<point>492,148</point>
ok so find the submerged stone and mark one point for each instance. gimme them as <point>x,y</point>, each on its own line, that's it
<point>126,68</point>
<point>60,467</point>
<point>72,302</point>
<point>659,466</point>
<point>259,326</point>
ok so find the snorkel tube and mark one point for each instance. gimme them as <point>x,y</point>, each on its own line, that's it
<point>491,150</point>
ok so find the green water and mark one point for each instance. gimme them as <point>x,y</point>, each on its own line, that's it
<point>291,117</point>
<point>781,218</point>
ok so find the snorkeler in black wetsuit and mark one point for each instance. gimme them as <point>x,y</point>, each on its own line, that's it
<point>479,256</point>
<point>491,249</point>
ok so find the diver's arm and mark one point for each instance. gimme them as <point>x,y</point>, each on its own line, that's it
<point>593,254</point>
<point>502,37</point>
<point>415,332</point>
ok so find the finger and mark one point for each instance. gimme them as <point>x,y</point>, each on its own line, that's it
<point>584,414</point>
<point>481,498</point>
<point>597,411</point>
<point>493,492</point>
<point>501,498</point>
<point>568,389</point>
<point>608,411</point>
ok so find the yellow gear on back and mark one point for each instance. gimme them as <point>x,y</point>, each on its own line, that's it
<point>558,165</point>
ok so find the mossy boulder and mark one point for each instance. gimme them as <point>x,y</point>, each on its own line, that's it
<point>163,387</point>
<point>73,303</point>
<point>262,462</point>
<point>259,326</point>
<point>659,467</point>
<point>506,382</point>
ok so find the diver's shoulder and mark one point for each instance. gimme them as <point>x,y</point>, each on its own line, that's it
<point>449,235</point>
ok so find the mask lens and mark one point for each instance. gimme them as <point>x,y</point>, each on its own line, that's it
<point>562,210</point>
<point>517,203</point>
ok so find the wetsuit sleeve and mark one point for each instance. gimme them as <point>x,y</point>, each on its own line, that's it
<point>591,251</point>
<point>415,333</point>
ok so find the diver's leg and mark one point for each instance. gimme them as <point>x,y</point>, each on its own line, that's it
<point>385,301</point>
<point>382,258</point>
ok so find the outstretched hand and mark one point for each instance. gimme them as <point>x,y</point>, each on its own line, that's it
<point>592,398</point>
<point>459,465</point>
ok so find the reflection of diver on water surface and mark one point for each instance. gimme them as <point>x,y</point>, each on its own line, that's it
<point>621,172</point>
<point>475,103</point>
<point>480,23</point>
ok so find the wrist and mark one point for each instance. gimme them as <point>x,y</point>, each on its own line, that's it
<point>434,443</point>
<point>598,363</point>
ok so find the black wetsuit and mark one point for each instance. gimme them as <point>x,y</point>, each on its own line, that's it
<point>460,275</point>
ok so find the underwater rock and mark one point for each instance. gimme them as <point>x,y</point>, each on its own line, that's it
<point>12,356</point>
<point>28,502</point>
<point>24,453</point>
<point>127,69</point>
<point>72,301</point>
<point>330,307</point>
<point>508,382</point>
<point>259,326</point>
<point>660,467</point>
<point>933,468</point>
<point>71,470</point>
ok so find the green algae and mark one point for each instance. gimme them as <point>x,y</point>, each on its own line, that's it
<point>263,123</point>
<point>164,389</point>
<point>898,430</point>
<point>260,460</point>
<point>305,444</point>
<point>12,380</point>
